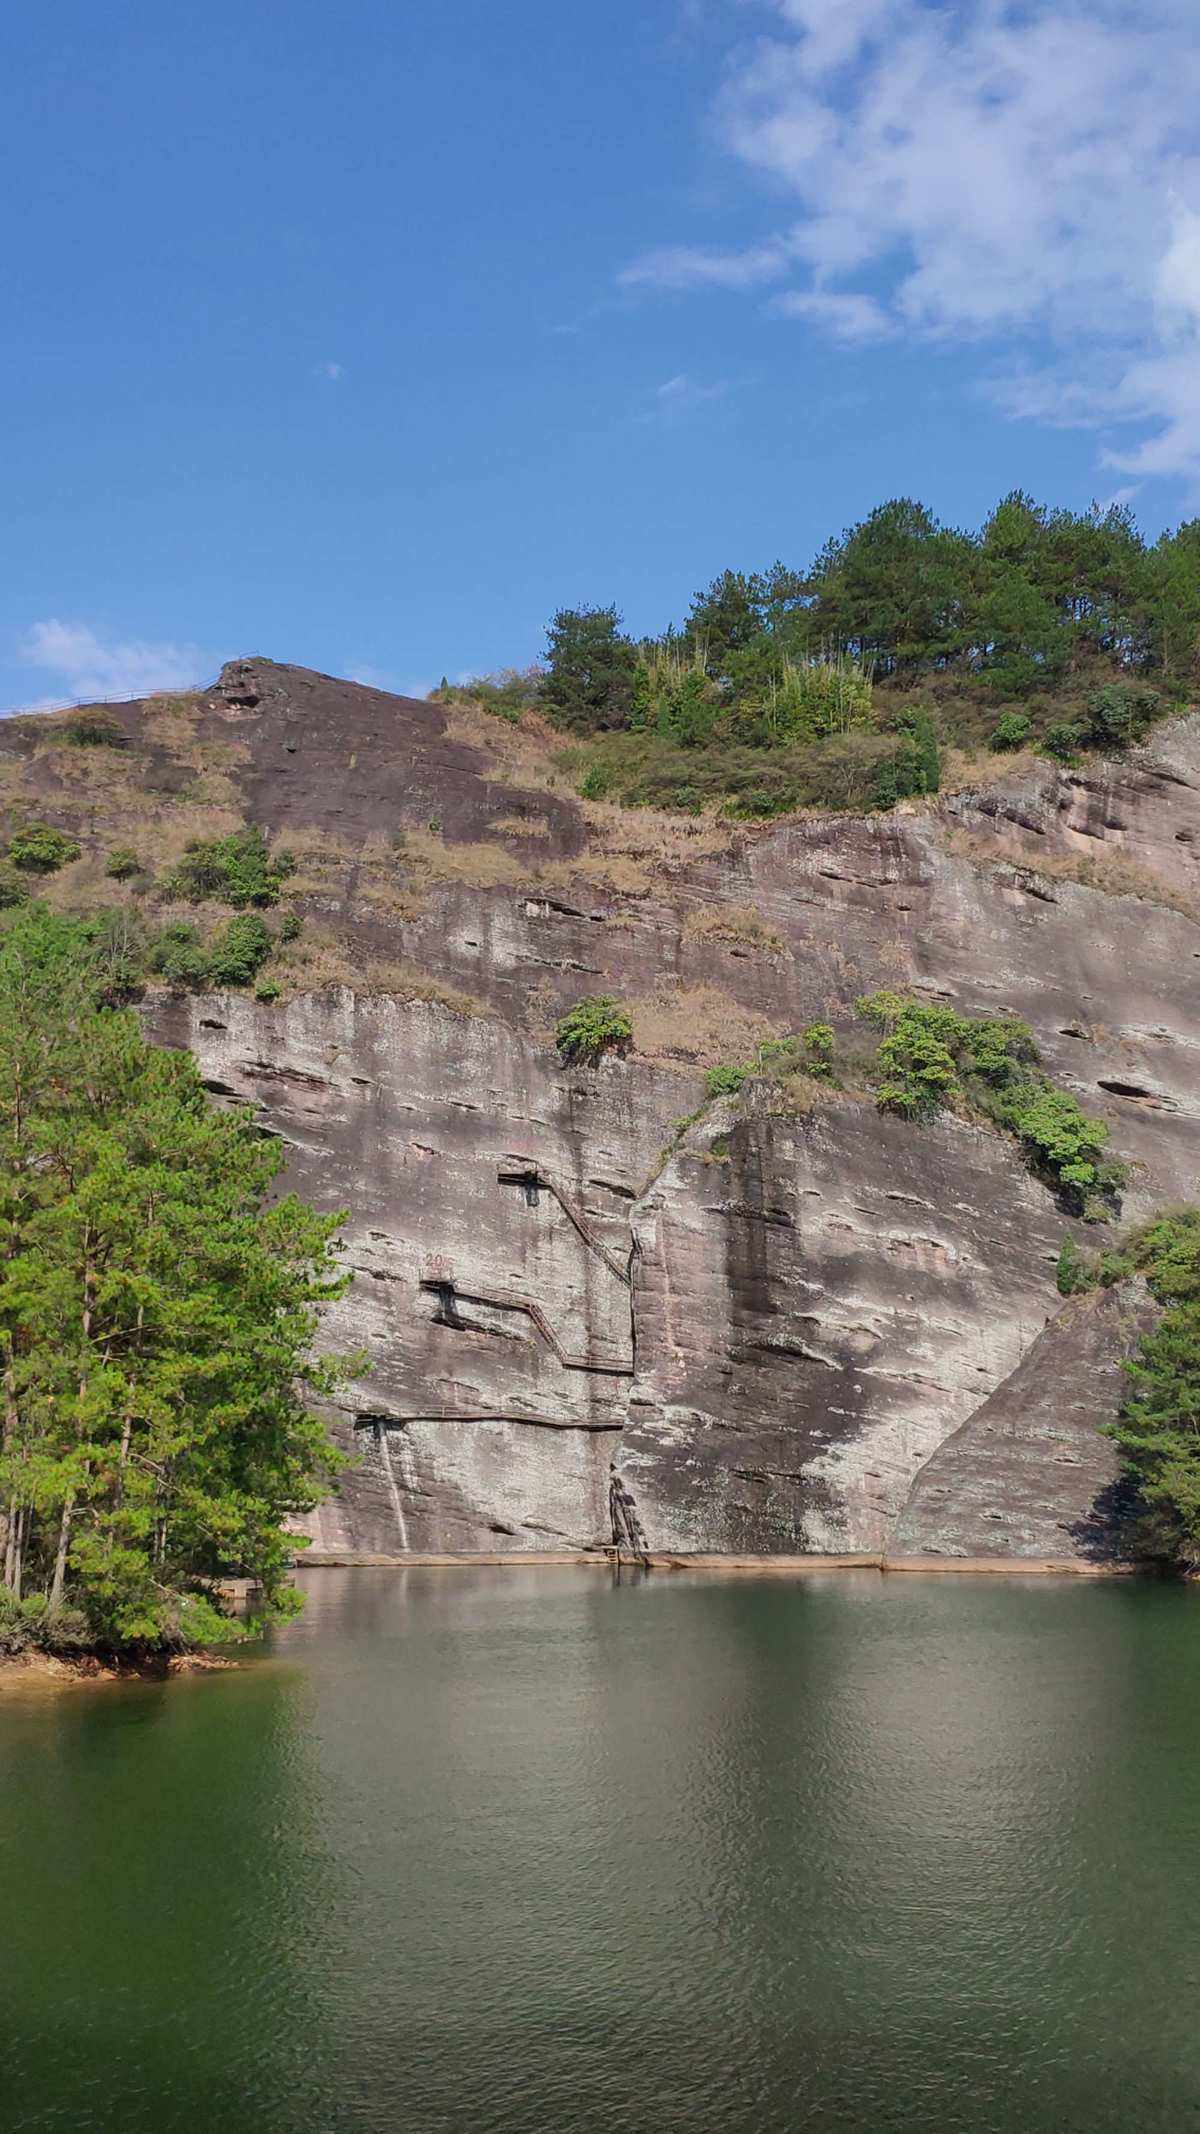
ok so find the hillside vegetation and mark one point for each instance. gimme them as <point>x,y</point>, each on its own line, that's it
<point>848,683</point>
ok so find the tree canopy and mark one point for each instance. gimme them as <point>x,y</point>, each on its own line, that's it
<point>157,1312</point>
<point>745,700</point>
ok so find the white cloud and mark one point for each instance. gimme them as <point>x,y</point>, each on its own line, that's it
<point>1019,174</point>
<point>331,371</point>
<point>848,317</point>
<point>85,666</point>
<point>680,394</point>
<point>689,267</point>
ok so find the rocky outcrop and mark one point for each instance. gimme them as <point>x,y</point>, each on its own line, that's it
<point>1029,1475</point>
<point>819,1302</point>
<point>581,1322</point>
<point>487,1196</point>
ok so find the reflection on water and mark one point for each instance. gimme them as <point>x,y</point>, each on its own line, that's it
<point>538,1853</point>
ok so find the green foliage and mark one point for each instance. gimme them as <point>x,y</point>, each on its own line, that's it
<point>122,864</point>
<point>267,990</point>
<point>1073,1272</point>
<point>1061,1141</point>
<point>506,694</point>
<point>818,1042</point>
<point>118,947</point>
<point>36,848</point>
<point>591,1028</point>
<point>914,765</point>
<point>930,1056</point>
<point>1062,741</point>
<point>918,1073</point>
<point>291,926</point>
<point>589,670</point>
<point>673,697</point>
<point>14,889</point>
<point>235,870</point>
<point>726,1081</point>
<point>595,782</point>
<point>1158,1430</point>
<point>178,956</point>
<point>30,1625</point>
<point>814,699</point>
<point>1118,715</point>
<point>748,782</point>
<point>809,1051</point>
<point>94,728</point>
<point>1066,620</point>
<point>239,949</point>
<point>157,1312</point>
<point>1011,731</point>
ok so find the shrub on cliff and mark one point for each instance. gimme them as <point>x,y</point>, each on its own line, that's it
<point>236,870</point>
<point>123,864</point>
<point>1010,732</point>
<point>930,1056</point>
<point>94,728</point>
<point>807,1052</point>
<point>1062,741</point>
<point>37,848</point>
<point>178,956</point>
<point>239,949</point>
<point>14,889</point>
<point>157,1310</point>
<point>591,1028</point>
<point>506,694</point>
<point>1119,714</point>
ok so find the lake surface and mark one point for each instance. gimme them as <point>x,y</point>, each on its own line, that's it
<point>534,1852</point>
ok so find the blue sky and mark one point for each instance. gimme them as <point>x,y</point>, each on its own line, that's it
<point>366,336</point>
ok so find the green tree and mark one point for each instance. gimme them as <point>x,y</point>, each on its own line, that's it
<point>1158,1429</point>
<point>1173,603</point>
<point>895,589</point>
<point>157,1311</point>
<point>724,619</point>
<point>589,670</point>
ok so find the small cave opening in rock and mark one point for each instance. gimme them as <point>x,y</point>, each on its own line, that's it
<point>1129,1089</point>
<point>527,1177</point>
<point>446,1312</point>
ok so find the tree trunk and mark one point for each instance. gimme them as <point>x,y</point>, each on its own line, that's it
<point>8,1432</point>
<point>20,1528</point>
<point>60,1557</point>
<point>12,1529</point>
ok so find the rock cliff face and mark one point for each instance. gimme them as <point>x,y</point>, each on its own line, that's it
<point>583,1319</point>
<point>1029,1475</point>
<point>817,1310</point>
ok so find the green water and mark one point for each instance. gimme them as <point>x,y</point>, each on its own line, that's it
<point>534,1852</point>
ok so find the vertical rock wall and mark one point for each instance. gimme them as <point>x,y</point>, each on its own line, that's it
<point>819,1303</point>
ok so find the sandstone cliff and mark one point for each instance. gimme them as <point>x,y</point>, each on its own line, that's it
<point>747,1333</point>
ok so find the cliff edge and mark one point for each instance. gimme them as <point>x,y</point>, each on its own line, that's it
<point>588,1312</point>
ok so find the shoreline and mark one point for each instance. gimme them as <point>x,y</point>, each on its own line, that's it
<point>48,1670</point>
<point>797,1566</point>
<point>55,1670</point>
